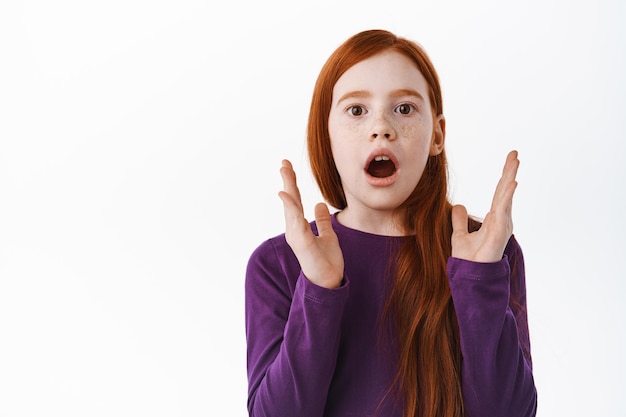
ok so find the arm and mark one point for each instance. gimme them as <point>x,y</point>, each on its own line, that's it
<point>292,330</point>
<point>490,303</point>
<point>485,266</point>
<point>294,303</point>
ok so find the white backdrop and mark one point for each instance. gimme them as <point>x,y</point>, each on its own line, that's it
<point>140,143</point>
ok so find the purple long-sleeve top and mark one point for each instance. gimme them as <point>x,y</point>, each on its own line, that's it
<point>316,352</point>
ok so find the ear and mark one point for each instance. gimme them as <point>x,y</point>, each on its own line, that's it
<point>439,135</point>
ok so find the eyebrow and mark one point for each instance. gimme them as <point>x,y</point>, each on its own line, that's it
<point>402,92</point>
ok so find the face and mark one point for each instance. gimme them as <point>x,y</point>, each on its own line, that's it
<point>382,130</point>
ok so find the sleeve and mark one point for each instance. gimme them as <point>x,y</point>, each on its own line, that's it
<point>292,332</point>
<point>490,303</point>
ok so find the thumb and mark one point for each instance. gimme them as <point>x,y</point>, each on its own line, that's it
<point>323,220</point>
<point>459,219</point>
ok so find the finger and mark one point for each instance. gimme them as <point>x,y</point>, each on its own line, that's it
<point>289,203</point>
<point>297,229</point>
<point>509,172</point>
<point>509,183</point>
<point>323,220</point>
<point>459,220</point>
<point>503,195</point>
<point>290,185</point>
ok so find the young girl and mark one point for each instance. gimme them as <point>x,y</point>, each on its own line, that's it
<point>398,304</point>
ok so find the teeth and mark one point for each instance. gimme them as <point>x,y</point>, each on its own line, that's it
<point>381,158</point>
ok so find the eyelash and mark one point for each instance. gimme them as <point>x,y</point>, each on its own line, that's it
<point>411,108</point>
<point>350,109</point>
<point>353,107</point>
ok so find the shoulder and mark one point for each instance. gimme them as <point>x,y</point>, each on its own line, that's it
<point>275,248</point>
<point>270,254</point>
<point>270,248</point>
<point>273,260</point>
<point>270,269</point>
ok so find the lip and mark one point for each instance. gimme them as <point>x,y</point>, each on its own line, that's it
<point>386,181</point>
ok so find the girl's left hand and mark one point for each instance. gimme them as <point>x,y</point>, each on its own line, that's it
<point>487,244</point>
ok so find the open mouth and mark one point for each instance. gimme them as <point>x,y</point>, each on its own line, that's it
<point>381,167</point>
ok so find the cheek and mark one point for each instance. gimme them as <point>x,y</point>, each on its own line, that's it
<point>420,129</point>
<point>344,141</point>
<point>344,131</point>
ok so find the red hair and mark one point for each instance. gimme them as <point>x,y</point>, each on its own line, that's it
<point>429,355</point>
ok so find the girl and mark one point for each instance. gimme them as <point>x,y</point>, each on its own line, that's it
<point>398,304</point>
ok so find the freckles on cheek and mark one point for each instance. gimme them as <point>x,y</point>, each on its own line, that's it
<point>413,131</point>
<point>419,129</point>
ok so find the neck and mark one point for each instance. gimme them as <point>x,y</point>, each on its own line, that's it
<point>377,222</point>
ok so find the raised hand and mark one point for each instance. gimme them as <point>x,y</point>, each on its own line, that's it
<point>320,256</point>
<point>488,243</point>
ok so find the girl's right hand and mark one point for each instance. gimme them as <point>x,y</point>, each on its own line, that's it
<point>320,256</point>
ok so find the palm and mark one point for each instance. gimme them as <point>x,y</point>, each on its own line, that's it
<point>488,243</point>
<point>320,256</point>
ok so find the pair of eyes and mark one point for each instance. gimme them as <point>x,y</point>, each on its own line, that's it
<point>404,108</point>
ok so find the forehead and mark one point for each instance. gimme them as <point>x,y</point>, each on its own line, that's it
<point>381,73</point>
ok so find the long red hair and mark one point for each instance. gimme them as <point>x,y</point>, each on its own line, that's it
<point>429,355</point>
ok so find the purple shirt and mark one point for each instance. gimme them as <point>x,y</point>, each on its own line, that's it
<point>317,352</point>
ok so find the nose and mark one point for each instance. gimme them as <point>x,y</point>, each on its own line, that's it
<point>382,127</point>
<point>385,135</point>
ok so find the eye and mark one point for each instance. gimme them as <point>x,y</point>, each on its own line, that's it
<point>405,109</point>
<point>356,110</point>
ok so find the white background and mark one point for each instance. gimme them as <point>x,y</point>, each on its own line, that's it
<point>140,143</point>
